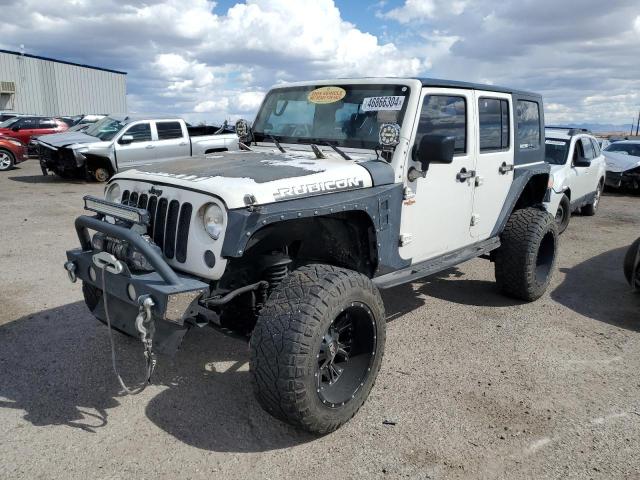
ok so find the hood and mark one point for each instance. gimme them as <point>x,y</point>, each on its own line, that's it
<point>66,138</point>
<point>268,176</point>
<point>619,162</point>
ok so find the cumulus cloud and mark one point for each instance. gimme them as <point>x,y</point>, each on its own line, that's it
<point>581,59</point>
<point>202,59</point>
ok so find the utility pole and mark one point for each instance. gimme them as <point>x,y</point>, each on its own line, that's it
<point>638,124</point>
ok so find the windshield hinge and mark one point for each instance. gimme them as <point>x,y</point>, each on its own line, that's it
<point>317,151</point>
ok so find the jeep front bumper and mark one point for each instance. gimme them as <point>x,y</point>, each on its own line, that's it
<point>175,296</point>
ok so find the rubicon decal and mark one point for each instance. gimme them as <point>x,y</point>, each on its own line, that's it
<point>318,188</point>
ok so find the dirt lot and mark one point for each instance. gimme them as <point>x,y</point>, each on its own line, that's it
<point>479,386</point>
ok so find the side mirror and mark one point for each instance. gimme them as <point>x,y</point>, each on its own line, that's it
<point>15,129</point>
<point>125,139</point>
<point>435,149</point>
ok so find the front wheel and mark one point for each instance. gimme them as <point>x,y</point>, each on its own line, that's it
<point>563,214</point>
<point>526,258</point>
<point>317,347</point>
<point>590,209</point>
<point>6,160</point>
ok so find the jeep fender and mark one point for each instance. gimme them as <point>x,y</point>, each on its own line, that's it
<point>380,205</point>
<point>530,187</point>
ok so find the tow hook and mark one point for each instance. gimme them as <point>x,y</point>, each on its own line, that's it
<point>146,327</point>
<point>70,267</point>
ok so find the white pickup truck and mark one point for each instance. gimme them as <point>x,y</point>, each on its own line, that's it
<point>578,169</point>
<point>118,143</point>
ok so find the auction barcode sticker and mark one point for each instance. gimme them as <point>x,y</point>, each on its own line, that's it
<point>372,104</point>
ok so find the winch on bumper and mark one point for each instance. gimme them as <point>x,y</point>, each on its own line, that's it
<point>175,296</point>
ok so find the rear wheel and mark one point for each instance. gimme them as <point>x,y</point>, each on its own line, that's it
<point>563,214</point>
<point>317,347</point>
<point>527,254</point>
<point>590,209</point>
<point>6,160</point>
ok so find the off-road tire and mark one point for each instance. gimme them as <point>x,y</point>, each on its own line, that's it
<point>4,167</point>
<point>591,209</point>
<point>525,261</point>
<point>564,209</point>
<point>629,260</point>
<point>286,341</point>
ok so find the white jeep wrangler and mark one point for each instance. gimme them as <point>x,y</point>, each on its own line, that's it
<point>343,187</point>
<point>578,169</point>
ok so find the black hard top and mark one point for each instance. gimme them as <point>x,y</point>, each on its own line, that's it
<point>437,82</point>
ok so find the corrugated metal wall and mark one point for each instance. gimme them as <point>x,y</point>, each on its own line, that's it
<point>45,87</point>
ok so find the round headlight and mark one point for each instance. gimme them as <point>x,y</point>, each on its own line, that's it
<point>113,193</point>
<point>213,220</point>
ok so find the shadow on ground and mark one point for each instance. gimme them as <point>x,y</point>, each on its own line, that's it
<point>449,285</point>
<point>55,366</point>
<point>50,179</point>
<point>597,289</point>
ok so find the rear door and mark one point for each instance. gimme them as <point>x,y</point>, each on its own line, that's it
<point>494,164</point>
<point>173,140</point>
<point>47,125</point>
<point>140,150</point>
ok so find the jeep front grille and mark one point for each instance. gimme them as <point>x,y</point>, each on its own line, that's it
<point>169,222</point>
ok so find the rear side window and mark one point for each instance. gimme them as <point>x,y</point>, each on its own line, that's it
<point>528,119</point>
<point>140,132</point>
<point>47,123</point>
<point>494,124</point>
<point>168,130</point>
<point>444,115</point>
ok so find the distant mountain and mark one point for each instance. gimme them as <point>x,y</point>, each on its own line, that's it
<point>601,127</point>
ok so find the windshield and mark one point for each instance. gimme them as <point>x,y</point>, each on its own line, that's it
<point>624,148</point>
<point>8,123</point>
<point>555,151</point>
<point>345,115</point>
<point>105,129</point>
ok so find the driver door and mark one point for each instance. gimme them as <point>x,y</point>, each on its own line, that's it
<point>139,150</point>
<point>437,219</point>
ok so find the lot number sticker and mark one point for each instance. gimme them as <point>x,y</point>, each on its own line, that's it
<point>324,95</point>
<point>555,142</point>
<point>372,104</point>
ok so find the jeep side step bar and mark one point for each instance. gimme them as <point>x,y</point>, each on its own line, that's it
<point>437,264</point>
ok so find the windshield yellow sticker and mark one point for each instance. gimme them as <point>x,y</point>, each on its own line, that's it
<point>324,95</point>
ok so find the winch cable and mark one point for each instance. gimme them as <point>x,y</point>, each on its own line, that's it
<point>150,359</point>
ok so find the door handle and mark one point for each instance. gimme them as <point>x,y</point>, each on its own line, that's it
<point>149,147</point>
<point>504,168</point>
<point>465,174</point>
<point>182,144</point>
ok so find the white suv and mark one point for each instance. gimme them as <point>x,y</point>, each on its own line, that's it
<point>578,168</point>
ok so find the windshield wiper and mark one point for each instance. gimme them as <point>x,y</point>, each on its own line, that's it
<point>275,140</point>
<point>337,150</point>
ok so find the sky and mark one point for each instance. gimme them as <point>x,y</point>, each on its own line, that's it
<point>211,60</point>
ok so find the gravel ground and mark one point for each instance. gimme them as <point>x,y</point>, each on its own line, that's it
<point>479,386</point>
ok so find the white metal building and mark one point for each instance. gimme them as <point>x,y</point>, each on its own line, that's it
<point>44,86</point>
